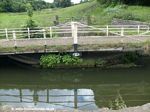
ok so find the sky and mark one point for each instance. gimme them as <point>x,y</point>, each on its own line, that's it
<point>75,1</point>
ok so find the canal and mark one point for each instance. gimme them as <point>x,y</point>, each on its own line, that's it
<point>84,89</point>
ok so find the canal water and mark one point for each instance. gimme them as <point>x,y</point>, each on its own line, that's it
<point>84,89</point>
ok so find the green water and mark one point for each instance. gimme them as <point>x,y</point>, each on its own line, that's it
<point>72,88</point>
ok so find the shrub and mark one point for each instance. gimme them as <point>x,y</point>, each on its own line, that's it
<point>30,24</point>
<point>118,103</point>
<point>67,59</point>
<point>49,61</point>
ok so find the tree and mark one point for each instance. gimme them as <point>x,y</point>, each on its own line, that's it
<point>6,5</point>
<point>129,2</point>
<point>29,10</point>
<point>30,23</point>
<point>20,5</point>
<point>62,3</point>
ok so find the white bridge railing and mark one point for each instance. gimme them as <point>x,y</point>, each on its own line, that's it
<point>75,30</point>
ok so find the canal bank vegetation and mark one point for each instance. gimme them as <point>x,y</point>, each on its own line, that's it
<point>53,60</point>
<point>124,60</point>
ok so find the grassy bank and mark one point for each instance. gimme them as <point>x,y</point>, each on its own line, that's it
<point>98,14</point>
<point>44,17</point>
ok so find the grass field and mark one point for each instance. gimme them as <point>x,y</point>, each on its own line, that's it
<point>99,15</point>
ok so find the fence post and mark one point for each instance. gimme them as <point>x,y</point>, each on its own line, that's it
<point>107,30</point>
<point>45,43</point>
<point>122,31</point>
<point>50,29</point>
<point>6,31</point>
<point>74,32</point>
<point>44,34</point>
<point>28,33</point>
<point>75,36</point>
<point>14,38</point>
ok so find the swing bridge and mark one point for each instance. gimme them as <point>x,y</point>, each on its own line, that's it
<point>61,38</point>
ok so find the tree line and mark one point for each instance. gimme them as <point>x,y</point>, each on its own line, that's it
<point>128,2</point>
<point>62,3</point>
<point>21,5</point>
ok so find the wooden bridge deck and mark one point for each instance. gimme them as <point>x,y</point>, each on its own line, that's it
<point>69,41</point>
<point>65,43</point>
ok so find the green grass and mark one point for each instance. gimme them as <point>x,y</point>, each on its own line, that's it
<point>100,15</point>
<point>105,15</point>
<point>44,17</point>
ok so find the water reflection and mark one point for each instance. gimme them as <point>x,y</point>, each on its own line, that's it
<point>85,89</point>
<point>49,98</point>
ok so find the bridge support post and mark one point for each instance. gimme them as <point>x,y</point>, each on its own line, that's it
<point>75,37</point>
<point>45,43</point>
<point>50,31</point>
<point>6,31</point>
<point>28,33</point>
<point>14,38</point>
<point>107,31</point>
<point>122,31</point>
<point>44,34</point>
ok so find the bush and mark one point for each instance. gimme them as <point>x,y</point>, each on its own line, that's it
<point>49,61</point>
<point>30,24</point>
<point>118,103</point>
<point>67,59</point>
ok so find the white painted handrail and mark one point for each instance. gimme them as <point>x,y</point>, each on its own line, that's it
<point>82,30</point>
